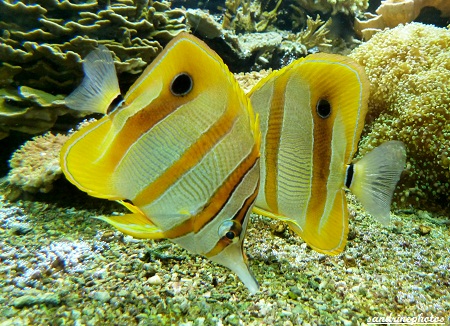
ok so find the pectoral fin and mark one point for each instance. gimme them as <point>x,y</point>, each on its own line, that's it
<point>136,225</point>
<point>263,212</point>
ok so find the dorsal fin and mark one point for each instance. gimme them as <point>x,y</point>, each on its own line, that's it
<point>100,85</point>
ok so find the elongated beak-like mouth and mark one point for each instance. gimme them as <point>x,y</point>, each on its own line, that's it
<point>234,258</point>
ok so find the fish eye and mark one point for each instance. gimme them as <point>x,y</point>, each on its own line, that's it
<point>181,84</point>
<point>323,108</point>
<point>230,235</point>
<point>230,229</point>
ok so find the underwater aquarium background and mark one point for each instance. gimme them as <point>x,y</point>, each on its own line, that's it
<point>59,264</point>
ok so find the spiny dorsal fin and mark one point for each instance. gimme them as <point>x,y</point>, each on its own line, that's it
<point>99,86</point>
<point>375,177</point>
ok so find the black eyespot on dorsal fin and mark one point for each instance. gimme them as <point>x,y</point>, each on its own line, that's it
<point>349,175</point>
<point>116,104</point>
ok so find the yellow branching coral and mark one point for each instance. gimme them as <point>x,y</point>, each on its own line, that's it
<point>35,165</point>
<point>409,71</point>
<point>315,33</point>
<point>248,16</point>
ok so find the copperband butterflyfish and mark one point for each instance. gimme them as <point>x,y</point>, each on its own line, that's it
<point>311,116</point>
<point>180,151</point>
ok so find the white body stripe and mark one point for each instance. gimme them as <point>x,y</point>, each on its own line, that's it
<point>211,173</point>
<point>295,162</point>
<point>161,146</point>
<point>206,238</point>
<point>260,104</point>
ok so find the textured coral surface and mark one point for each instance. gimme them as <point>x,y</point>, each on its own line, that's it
<point>409,71</point>
<point>35,165</point>
<point>42,44</point>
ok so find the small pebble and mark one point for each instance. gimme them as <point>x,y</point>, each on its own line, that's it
<point>424,230</point>
<point>154,280</point>
<point>294,292</point>
<point>352,234</point>
<point>20,229</point>
<point>233,320</point>
<point>102,296</point>
<point>349,261</point>
<point>278,227</point>
<point>31,300</point>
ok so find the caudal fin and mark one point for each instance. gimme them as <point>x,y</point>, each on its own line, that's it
<point>375,177</point>
<point>99,86</point>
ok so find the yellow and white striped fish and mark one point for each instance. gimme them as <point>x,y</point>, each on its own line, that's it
<point>181,151</point>
<point>311,117</point>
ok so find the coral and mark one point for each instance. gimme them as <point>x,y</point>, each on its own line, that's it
<point>35,165</point>
<point>315,34</point>
<point>391,13</point>
<point>203,23</point>
<point>28,110</point>
<point>275,49</point>
<point>42,43</point>
<point>249,16</point>
<point>250,79</point>
<point>409,70</point>
<point>334,6</point>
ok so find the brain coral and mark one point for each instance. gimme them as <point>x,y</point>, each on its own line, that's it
<point>42,43</point>
<point>409,71</point>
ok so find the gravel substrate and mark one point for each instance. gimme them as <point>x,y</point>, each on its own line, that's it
<point>59,266</point>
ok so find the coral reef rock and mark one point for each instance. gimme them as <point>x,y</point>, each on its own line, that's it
<point>334,6</point>
<point>35,165</point>
<point>42,44</point>
<point>392,13</point>
<point>409,71</point>
<point>261,50</point>
<point>29,110</point>
<point>203,23</point>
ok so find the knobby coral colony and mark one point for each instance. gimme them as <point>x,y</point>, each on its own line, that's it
<point>35,165</point>
<point>409,70</point>
<point>42,43</point>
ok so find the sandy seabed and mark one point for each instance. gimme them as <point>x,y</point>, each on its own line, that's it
<point>59,266</point>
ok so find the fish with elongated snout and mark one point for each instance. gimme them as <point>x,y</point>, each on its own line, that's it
<point>180,151</point>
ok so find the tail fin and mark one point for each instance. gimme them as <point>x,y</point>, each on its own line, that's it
<point>375,177</point>
<point>99,86</point>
